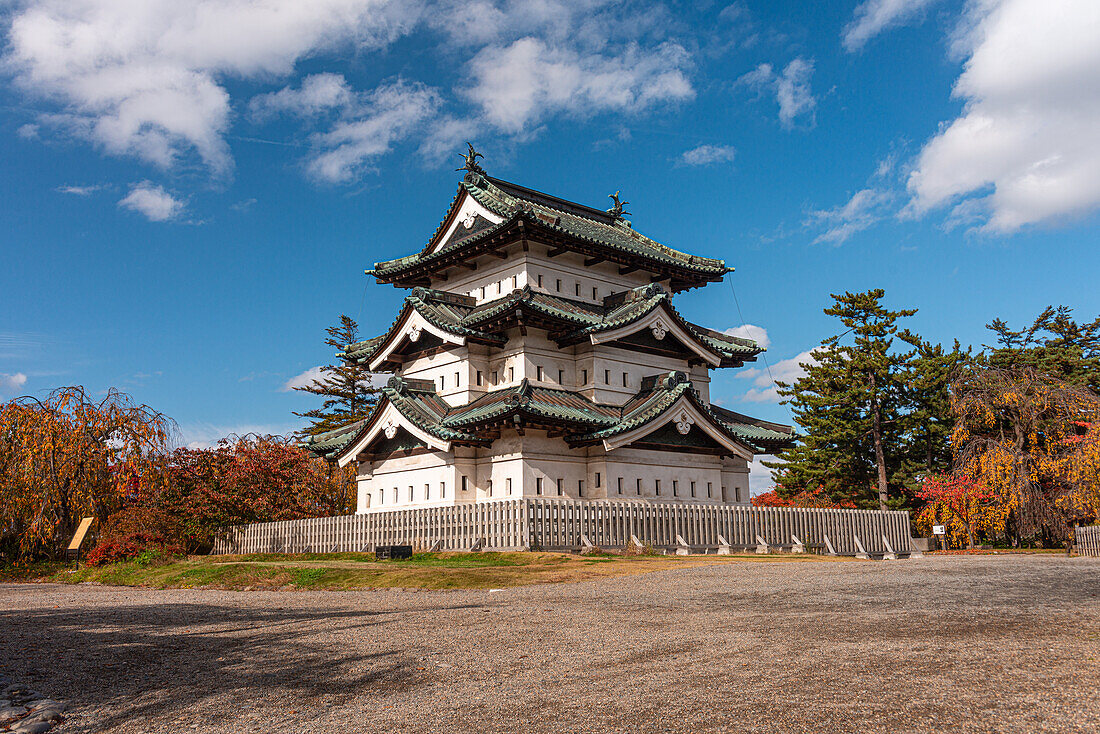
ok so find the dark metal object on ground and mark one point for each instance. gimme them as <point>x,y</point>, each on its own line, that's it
<point>393,552</point>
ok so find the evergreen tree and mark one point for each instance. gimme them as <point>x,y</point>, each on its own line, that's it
<point>930,369</point>
<point>849,405</point>
<point>346,387</point>
<point>1054,345</point>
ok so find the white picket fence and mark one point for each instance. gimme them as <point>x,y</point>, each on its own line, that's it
<point>558,524</point>
<point>1086,540</point>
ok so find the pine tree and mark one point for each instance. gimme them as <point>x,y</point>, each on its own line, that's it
<point>1054,345</point>
<point>849,405</point>
<point>929,371</point>
<point>346,387</point>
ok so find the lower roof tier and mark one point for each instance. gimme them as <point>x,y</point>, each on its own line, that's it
<point>642,319</point>
<point>666,413</point>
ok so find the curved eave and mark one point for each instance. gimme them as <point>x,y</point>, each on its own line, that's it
<point>420,267</point>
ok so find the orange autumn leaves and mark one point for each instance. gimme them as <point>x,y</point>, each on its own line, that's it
<point>69,456</point>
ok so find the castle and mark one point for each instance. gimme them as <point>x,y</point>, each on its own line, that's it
<point>538,353</point>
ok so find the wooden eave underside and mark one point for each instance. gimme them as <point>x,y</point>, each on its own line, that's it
<point>522,231</point>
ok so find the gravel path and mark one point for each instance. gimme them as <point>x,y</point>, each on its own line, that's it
<point>972,644</point>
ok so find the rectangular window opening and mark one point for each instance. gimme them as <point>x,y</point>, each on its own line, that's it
<point>657,486</point>
<point>508,485</point>
<point>595,297</point>
<point>693,489</point>
<point>540,280</point>
<point>489,487</point>
<point>607,377</point>
<point>538,372</point>
<point>442,489</point>
<point>710,490</point>
<point>561,377</point>
<point>580,488</point>
<point>538,485</point>
<point>560,490</point>
<point>584,377</point>
<point>465,483</point>
<point>597,479</point>
<point>626,382</point>
<point>675,488</point>
<point>557,287</point>
<point>577,289</point>
<point>620,483</point>
<point>479,378</point>
<point>511,374</point>
<point>639,487</point>
<point>427,491</point>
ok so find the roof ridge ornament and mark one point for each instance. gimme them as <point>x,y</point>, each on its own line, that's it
<point>470,164</point>
<point>616,211</point>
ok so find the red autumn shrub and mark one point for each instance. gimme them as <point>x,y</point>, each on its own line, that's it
<point>130,546</point>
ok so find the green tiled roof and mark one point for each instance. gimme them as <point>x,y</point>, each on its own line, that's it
<point>588,421</point>
<point>576,319</point>
<point>536,401</point>
<point>514,203</point>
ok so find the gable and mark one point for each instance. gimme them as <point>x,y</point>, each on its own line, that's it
<point>469,218</point>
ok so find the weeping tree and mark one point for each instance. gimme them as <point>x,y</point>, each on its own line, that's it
<point>68,456</point>
<point>1033,440</point>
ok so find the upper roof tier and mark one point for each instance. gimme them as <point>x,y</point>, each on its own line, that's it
<point>524,214</point>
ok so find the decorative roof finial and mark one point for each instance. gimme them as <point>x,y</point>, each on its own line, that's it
<point>470,160</point>
<point>616,211</point>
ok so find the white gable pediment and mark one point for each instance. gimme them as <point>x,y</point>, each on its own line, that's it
<point>661,325</point>
<point>386,424</point>
<point>684,416</point>
<point>411,329</point>
<point>464,219</point>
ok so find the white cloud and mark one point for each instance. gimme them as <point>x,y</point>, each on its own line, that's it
<point>866,207</point>
<point>386,115</point>
<point>153,201</point>
<point>706,154</point>
<point>761,479</point>
<point>748,331</point>
<point>12,383</point>
<point>303,380</point>
<point>1026,148</point>
<point>786,371</point>
<point>874,16</point>
<point>791,88</point>
<point>28,131</point>
<point>79,190</point>
<point>317,93</point>
<point>516,86</point>
<point>145,77</point>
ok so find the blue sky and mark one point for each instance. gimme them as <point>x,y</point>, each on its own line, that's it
<point>191,190</point>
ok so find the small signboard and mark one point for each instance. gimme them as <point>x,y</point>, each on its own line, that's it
<point>939,529</point>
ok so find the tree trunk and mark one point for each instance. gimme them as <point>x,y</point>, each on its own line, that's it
<point>880,456</point>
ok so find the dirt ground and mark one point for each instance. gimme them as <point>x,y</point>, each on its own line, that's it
<point>946,644</point>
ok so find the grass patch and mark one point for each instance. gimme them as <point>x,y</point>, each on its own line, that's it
<point>361,571</point>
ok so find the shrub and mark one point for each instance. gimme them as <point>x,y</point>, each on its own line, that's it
<point>141,547</point>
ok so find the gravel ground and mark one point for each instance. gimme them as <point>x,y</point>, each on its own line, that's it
<point>972,644</point>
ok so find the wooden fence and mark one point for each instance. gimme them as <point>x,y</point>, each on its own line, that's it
<point>1086,540</point>
<point>554,524</point>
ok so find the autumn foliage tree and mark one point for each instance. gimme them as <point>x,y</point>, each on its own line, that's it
<point>68,456</point>
<point>1028,437</point>
<point>965,507</point>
